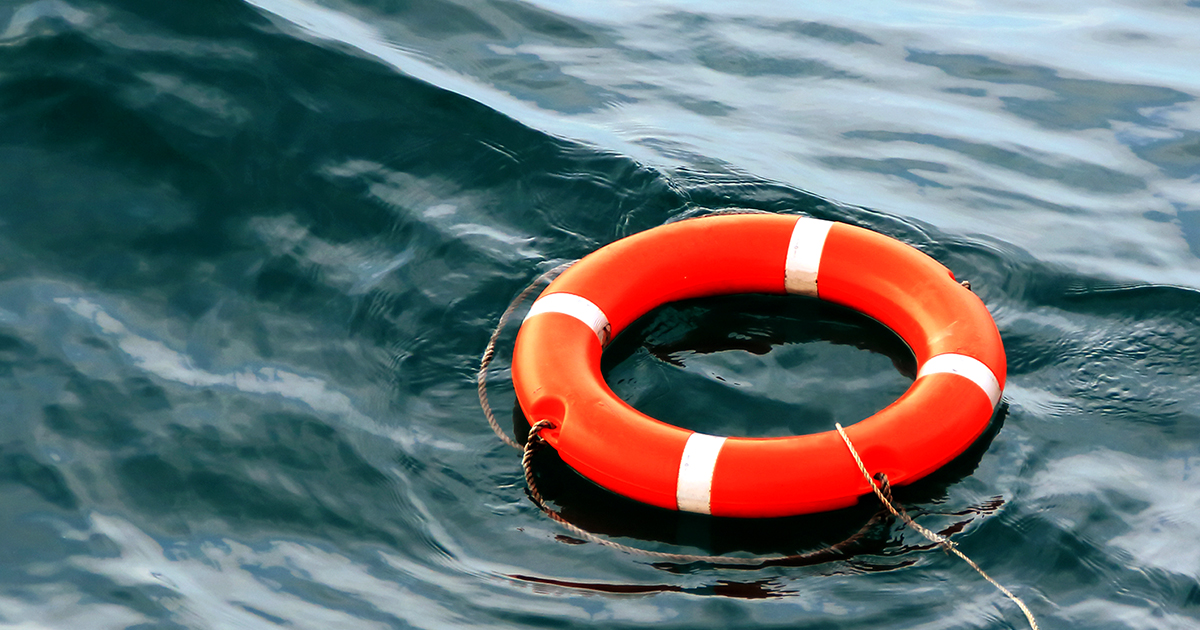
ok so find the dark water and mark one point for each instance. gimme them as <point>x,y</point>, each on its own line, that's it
<point>250,253</point>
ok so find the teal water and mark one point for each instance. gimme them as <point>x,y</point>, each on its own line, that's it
<point>251,252</point>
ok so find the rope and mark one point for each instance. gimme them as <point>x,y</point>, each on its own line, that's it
<point>489,353</point>
<point>882,489</point>
<point>942,541</point>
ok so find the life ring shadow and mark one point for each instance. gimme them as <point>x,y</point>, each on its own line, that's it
<point>775,320</point>
<point>600,511</point>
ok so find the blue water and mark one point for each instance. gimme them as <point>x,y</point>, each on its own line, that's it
<point>251,252</point>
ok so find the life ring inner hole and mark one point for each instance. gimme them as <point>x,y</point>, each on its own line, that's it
<point>758,365</point>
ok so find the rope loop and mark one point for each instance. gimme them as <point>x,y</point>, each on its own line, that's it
<point>532,443</point>
<point>535,431</point>
<point>879,483</point>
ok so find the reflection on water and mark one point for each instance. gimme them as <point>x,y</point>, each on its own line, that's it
<point>249,256</point>
<point>758,366</point>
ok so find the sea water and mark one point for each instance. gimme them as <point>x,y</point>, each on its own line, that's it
<point>251,252</point>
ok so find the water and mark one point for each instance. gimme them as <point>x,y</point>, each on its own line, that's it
<point>250,253</point>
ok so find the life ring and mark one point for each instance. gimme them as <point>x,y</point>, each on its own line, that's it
<point>556,364</point>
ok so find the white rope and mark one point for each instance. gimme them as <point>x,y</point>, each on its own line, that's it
<point>934,537</point>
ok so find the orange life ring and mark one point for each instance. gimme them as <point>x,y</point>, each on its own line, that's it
<point>556,364</point>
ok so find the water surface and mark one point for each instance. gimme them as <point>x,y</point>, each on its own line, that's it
<point>251,251</point>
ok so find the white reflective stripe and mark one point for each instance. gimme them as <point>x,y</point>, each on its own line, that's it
<point>963,365</point>
<point>693,492</point>
<point>804,256</point>
<point>578,307</point>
